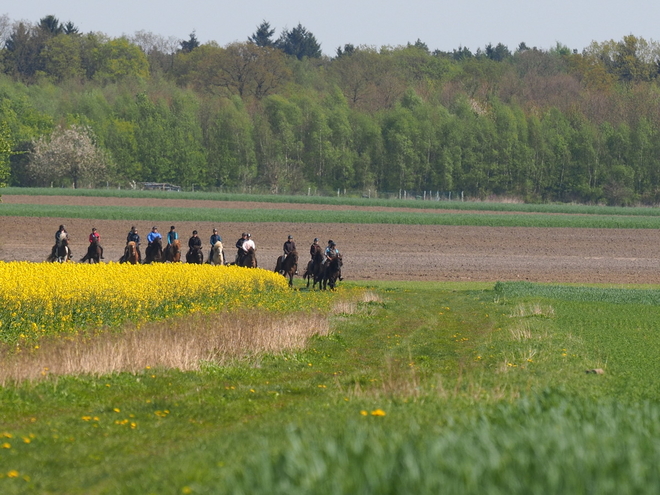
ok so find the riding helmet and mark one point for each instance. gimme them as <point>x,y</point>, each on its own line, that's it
<point>194,232</point>
<point>290,237</point>
<point>249,235</point>
<point>316,239</point>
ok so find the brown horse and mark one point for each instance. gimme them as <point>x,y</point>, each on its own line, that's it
<point>131,254</point>
<point>249,260</point>
<point>173,252</point>
<point>288,267</point>
<point>217,254</point>
<point>315,269</point>
<point>331,272</point>
<point>195,255</point>
<point>93,254</point>
<point>154,252</point>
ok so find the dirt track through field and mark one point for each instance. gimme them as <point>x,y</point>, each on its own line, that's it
<point>374,251</point>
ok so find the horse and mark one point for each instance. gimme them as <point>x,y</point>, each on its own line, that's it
<point>154,252</point>
<point>131,254</point>
<point>61,253</point>
<point>249,260</point>
<point>195,255</point>
<point>315,269</point>
<point>288,267</point>
<point>173,251</point>
<point>331,272</point>
<point>217,256</point>
<point>93,254</point>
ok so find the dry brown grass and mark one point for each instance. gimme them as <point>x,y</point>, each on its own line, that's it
<point>182,343</point>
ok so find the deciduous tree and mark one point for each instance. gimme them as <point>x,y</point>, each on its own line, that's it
<point>68,155</point>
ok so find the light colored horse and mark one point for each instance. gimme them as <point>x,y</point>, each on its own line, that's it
<point>217,258</point>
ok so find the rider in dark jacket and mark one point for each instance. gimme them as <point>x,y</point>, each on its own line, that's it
<point>288,247</point>
<point>194,242</point>
<point>239,246</point>
<point>132,236</point>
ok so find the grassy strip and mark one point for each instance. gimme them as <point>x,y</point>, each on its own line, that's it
<point>318,200</point>
<point>456,388</point>
<point>157,214</point>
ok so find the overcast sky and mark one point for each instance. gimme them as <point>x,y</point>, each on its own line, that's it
<point>441,24</point>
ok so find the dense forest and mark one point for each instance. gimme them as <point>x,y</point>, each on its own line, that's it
<point>274,114</point>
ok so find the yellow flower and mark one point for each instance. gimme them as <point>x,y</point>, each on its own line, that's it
<point>378,412</point>
<point>6,445</point>
<point>364,413</point>
<point>13,474</point>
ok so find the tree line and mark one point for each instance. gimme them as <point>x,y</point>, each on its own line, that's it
<point>274,113</point>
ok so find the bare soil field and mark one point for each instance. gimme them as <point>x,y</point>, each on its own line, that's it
<point>373,251</point>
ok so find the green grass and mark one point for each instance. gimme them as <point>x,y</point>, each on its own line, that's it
<point>342,200</point>
<point>158,214</point>
<point>484,391</point>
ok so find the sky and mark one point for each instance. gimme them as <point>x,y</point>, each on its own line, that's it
<point>441,24</point>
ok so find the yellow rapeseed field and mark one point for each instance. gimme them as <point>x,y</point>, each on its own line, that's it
<point>39,299</point>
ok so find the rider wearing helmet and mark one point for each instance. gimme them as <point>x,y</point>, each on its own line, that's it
<point>194,242</point>
<point>288,247</point>
<point>314,247</point>
<point>331,252</point>
<point>171,237</point>
<point>239,246</point>
<point>249,243</point>
<point>96,237</point>
<point>132,236</point>
<point>214,238</point>
<point>60,236</point>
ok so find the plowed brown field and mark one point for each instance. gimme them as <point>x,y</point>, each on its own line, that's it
<point>376,252</point>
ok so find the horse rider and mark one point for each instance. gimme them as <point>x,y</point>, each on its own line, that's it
<point>331,252</point>
<point>132,236</point>
<point>60,236</point>
<point>239,246</point>
<point>171,237</point>
<point>194,242</point>
<point>215,237</point>
<point>314,247</point>
<point>96,237</point>
<point>153,235</point>
<point>248,243</point>
<point>288,247</point>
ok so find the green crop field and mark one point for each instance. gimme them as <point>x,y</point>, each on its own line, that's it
<point>343,200</point>
<point>424,388</point>
<point>344,217</point>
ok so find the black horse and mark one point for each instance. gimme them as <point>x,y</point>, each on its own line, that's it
<point>288,267</point>
<point>195,255</point>
<point>93,254</point>
<point>315,269</point>
<point>331,272</point>
<point>154,252</point>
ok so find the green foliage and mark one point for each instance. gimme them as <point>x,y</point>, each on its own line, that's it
<point>537,125</point>
<point>6,150</point>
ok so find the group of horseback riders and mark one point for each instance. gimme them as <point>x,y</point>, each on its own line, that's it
<point>172,238</point>
<point>245,246</point>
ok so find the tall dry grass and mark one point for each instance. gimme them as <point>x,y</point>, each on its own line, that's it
<point>181,343</point>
